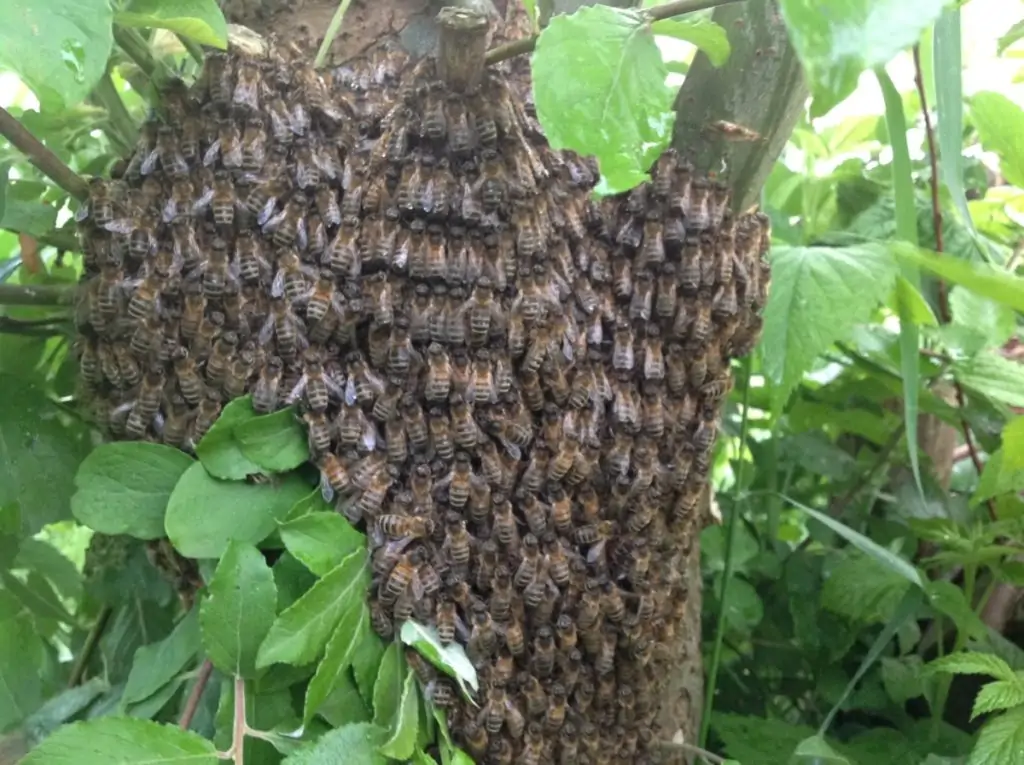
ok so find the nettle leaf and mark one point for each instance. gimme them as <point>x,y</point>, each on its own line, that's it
<point>980,322</point>
<point>835,47</point>
<point>973,663</point>
<point>219,450</point>
<point>404,727</point>
<point>276,442</point>
<point>950,600</point>
<point>615,105</point>
<point>387,690</point>
<point>321,540</point>
<point>981,278</point>
<point>450,659</point>
<point>204,513</point>
<point>818,295</point>
<point>202,20</point>
<point>239,611</point>
<point>998,695</point>
<point>302,630</point>
<point>1000,124</point>
<point>337,658</point>
<point>40,455</point>
<point>862,589</point>
<point>994,376</point>
<point>59,48</point>
<point>997,479</point>
<point>122,741</point>
<point>357,742</point>
<point>156,664</point>
<point>123,488</point>
<point>704,33</point>
<point>1001,741</point>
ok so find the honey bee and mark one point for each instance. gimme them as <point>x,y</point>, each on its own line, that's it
<point>334,477</point>
<point>220,359</point>
<point>475,737</point>
<point>401,576</point>
<point>504,522</point>
<point>483,638</point>
<point>415,424</point>
<point>380,621</point>
<point>209,410</point>
<point>396,440</point>
<point>319,432</point>
<point>355,428</point>
<point>289,226</point>
<point>401,526</point>
<point>493,186</point>
<point>372,498</point>
<point>544,652</point>
<point>441,434</point>
<point>189,382</point>
<point>457,541</point>
<point>287,327</point>
<point>265,392</point>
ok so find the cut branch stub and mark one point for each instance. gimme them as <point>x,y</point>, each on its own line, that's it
<point>462,47</point>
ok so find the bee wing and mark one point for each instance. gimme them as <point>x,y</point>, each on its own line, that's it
<point>370,438</point>
<point>418,591</point>
<point>170,211</point>
<point>120,226</point>
<point>83,211</point>
<point>302,234</point>
<point>263,217</point>
<point>297,391</point>
<point>149,163</point>
<point>326,490</point>
<point>203,202</point>
<point>273,223</point>
<point>350,392</point>
<point>267,331</point>
<point>233,158</point>
<point>277,286</point>
<point>210,155</point>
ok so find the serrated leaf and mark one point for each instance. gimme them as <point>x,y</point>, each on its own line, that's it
<point>345,704</point>
<point>59,48</point>
<point>1013,446</point>
<point>366,662</point>
<point>980,278</point>
<point>863,590</point>
<point>337,658</point>
<point>319,539</point>
<point>816,751</point>
<point>973,663</point>
<point>1001,741</point>
<point>204,513</point>
<point>616,106</point>
<point>302,630</point>
<point>124,488</point>
<point>122,741</point>
<point>704,33</point>
<point>202,20</point>
<point>818,295</point>
<point>156,664</point>
<point>908,296</point>
<point>902,678</point>
<point>1000,124</point>
<point>835,47</point>
<point>998,695</point>
<point>996,479</point>
<point>276,442</point>
<point>994,376</point>
<point>239,610</point>
<point>150,707</point>
<point>403,729</point>
<point>355,743</point>
<point>950,600</point>
<point>387,689</point>
<point>219,451</point>
<point>980,321</point>
<point>450,659</point>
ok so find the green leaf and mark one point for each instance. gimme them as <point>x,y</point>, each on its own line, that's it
<point>345,704</point>
<point>204,513</point>
<point>156,664</point>
<point>979,322</point>
<point>837,45</point>
<point>1001,740</point>
<point>998,695</point>
<point>355,743</point>
<point>320,539</point>
<point>973,663</point>
<point>387,690</point>
<point>45,559</point>
<point>1013,34</point>
<point>997,479</point>
<point>123,488</point>
<point>981,278</point>
<point>909,297</point>
<point>302,630</point>
<point>39,455</point>
<point>122,741</point>
<point>21,686</point>
<point>616,105</point>
<point>5,170</point>
<point>403,730</point>
<point>201,20</point>
<point>275,442</point>
<point>450,659</point>
<point>704,33</point>
<point>863,590</point>
<point>31,218</point>
<point>818,295</point>
<point>1013,446</point>
<point>902,678</point>
<point>816,751</point>
<point>239,611</point>
<point>1000,124</point>
<point>949,104</point>
<point>150,707</point>
<point>59,48</point>
<point>65,705</point>
<point>366,662</point>
<point>950,600</point>
<point>337,658</point>
<point>219,450</point>
<point>995,377</point>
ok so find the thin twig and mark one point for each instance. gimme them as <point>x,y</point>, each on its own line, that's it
<point>709,756</point>
<point>197,692</point>
<point>331,33</point>
<point>944,312</point>
<point>37,294</point>
<point>658,13</point>
<point>48,163</point>
<point>123,130</point>
<point>91,641</point>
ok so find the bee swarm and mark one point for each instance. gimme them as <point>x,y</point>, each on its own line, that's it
<point>512,387</point>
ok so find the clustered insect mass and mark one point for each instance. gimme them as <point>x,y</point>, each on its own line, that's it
<point>512,387</point>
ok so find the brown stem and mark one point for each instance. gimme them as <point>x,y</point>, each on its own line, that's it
<point>658,13</point>
<point>197,692</point>
<point>238,736</point>
<point>37,294</point>
<point>461,50</point>
<point>91,641</point>
<point>48,163</point>
<point>944,312</point>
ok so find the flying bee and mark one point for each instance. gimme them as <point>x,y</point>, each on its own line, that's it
<point>289,226</point>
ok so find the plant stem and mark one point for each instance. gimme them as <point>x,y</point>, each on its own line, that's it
<point>91,641</point>
<point>332,32</point>
<point>664,11</point>
<point>970,578</point>
<point>137,49</point>
<point>48,163</point>
<point>37,294</point>
<point>195,50</point>
<point>123,131</point>
<point>197,693</point>
<point>238,735</point>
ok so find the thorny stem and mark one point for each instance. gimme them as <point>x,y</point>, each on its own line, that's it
<point>37,294</point>
<point>704,753</point>
<point>197,693</point>
<point>48,163</point>
<point>123,130</point>
<point>664,11</point>
<point>91,641</point>
<point>332,32</point>
<point>944,313</point>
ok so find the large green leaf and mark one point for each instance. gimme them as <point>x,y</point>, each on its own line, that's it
<point>599,86</point>
<point>404,727</point>
<point>949,104</point>
<point>58,47</point>
<point>239,611</point>
<point>337,658</point>
<point>276,442</point>
<point>321,539</point>
<point>219,450</point>
<point>1000,124</point>
<point>202,20</point>
<point>818,295</point>
<point>21,655</point>
<point>355,743</point>
<point>38,455</point>
<point>839,42</point>
<point>123,488</point>
<point>387,689</point>
<point>704,33</point>
<point>993,376</point>
<point>450,659</point>
<point>32,218</point>
<point>156,664</point>
<point>1001,740</point>
<point>122,741</point>
<point>204,513</point>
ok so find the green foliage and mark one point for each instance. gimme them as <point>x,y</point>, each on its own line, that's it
<point>219,450</point>
<point>201,20</point>
<point>1001,740</point>
<point>358,742</point>
<point>703,33</point>
<point>157,664</point>
<point>1000,123</point>
<point>338,656</point>
<point>450,659</point>
<point>122,741</point>
<point>321,539</point>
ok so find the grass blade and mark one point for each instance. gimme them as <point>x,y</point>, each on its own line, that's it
<point>949,105</point>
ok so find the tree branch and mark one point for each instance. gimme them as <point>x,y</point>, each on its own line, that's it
<point>37,294</point>
<point>48,163</point>
<point>665,11</point>
<point>197,693</point>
